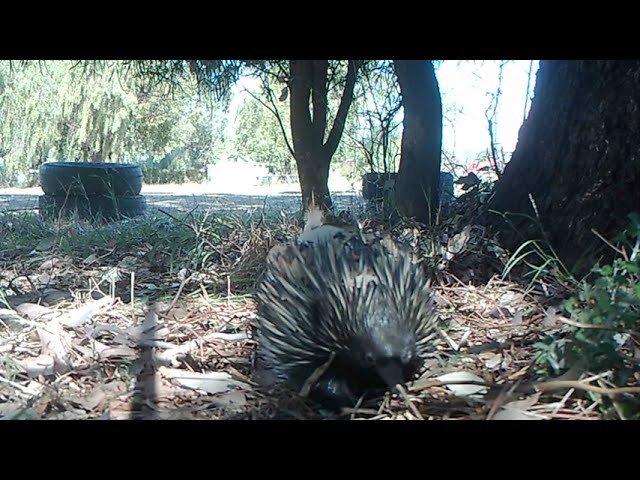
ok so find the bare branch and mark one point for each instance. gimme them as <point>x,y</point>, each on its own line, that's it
<point>319,98</point>
<point>345,102</point>
<point>276,113</point>
<point>493,108</point>
<point>526,95</point>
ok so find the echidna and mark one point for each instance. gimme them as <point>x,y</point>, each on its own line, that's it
<point>340,315</point>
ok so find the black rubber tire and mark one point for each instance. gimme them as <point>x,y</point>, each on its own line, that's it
<point>92,207</point>
<point>377,186</point>
<point>89,178</point>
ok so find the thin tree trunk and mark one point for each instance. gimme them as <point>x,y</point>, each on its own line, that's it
<point>416,189</point>
<point>314,178</point>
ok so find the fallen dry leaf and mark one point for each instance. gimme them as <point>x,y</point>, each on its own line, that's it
<point>90,259</point>
<point>511,299</point>
<point>45,278</point>
<point>227,337</point>
<point>171,352</point>
<point>36,312</point>
<point>491,360</point>
<point>99,351</point>
<point>49,264</point>
<point>122,352</point>
<point>56,343</point>
<point>128,263</point>
<point>509,414</point>
<point>11,320</point>
<point>457,243</point>
<point>463,390</point>
<point>81,315</point>
<point>212,382</point>
<point>151,329</point>
<point>233,399</point>
<point>40,365</point>
<point>178,314</point>
<point>524,404</point>
<point>35,387</point>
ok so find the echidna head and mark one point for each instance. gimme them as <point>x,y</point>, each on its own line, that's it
<point>387,348</point>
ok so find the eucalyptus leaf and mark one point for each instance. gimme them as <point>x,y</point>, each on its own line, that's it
<point>464,390</point>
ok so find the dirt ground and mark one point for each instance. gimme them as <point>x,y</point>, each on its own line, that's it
<point>193,196</point>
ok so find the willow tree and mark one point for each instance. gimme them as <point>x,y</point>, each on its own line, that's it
<point>65,110</point>
<point>576,169</point>
<point>52,111</point>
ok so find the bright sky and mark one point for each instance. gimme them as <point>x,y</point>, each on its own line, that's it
<point>466,89</point>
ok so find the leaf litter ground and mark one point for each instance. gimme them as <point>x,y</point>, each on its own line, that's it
<point>151,318</point>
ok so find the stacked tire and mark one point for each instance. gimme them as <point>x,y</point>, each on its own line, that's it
<point>109,191</point>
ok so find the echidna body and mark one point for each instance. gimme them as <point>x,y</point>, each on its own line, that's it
<point>362,307</point>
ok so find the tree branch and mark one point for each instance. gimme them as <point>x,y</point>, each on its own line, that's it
<point>368,154</point>
<point>345,102</point>
<point>319,99</point>
<point>526,95</point>
<point>276,113</point>
<point>493,107</point>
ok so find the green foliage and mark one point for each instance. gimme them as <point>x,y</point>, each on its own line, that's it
<point>22,230</point>
<point>177,138</point>
<point>258,138</point>
<point>540,260</point>
<point>607,310</point>
<point>55,110</point>
<point>213,77</point>
<point>537,255</point>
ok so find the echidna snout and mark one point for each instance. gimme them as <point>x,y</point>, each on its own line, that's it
<point>388,348</point>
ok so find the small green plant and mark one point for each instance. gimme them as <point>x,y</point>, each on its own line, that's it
<point>605,314</point>
<point>537,255</point>
<point>551,352</point>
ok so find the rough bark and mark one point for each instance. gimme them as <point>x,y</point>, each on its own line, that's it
<point>578,157</point>
<point>308,84</point>
<point>418,174</point>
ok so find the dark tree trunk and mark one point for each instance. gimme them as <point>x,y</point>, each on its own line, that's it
<point>308,128</point>
<point>578,157</point>
<point>419,172</point>
<point>313,172</point>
